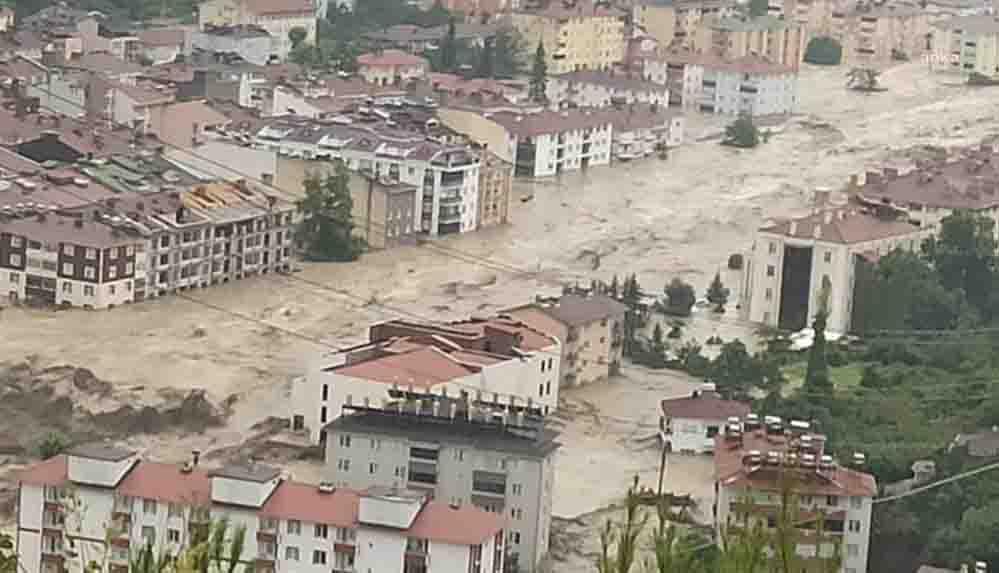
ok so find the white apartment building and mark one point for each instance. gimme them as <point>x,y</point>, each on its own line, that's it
<point>747,86</point>
<point>753,461</point>
<point>966,45</point>
<point>681,71</point>
<point>601,89</point>
<point>446,177</point>
<point>100,503</point>
<point>493,359</point>
<point>462,453</point>
<point>690,423</point>
<point>548,142</point>
<point>640,131</point>
<point>53,259</point>
<point>795,263</point>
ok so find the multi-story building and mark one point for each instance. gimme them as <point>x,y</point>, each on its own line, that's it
<point>391,67</point>
<point>758,464</point>
<point>966,45</point>
<point>446,176</point>
<point>881,35</point>
<point>492,356</point>
<point>251,43</point>
<point>598,89</point>
<point>779,41</point>
<point>462,453</point>
<point>583,36</point>
<point>53,259</point>
<point>681,71</point>
<point>690,14</point>
<point>495,190</point>
<point>645,130</point>
<point>277,17</point>
<point>690,423</point>
<point>589,329</point>
<point>548,142</point>
<point>797,266</point>
<point>102,504</point>
<point>657,18</point>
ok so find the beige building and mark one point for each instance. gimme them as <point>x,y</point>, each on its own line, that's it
<point>391,67</point>
<point>590,330</point>
<point>495,190</point>
<point>657,18</point>
<point>966,45</point>
<point>690,14</point>
<point>277,17</point>
<point>882,35</point>
<point>582,37</point>
<point>776,40</point>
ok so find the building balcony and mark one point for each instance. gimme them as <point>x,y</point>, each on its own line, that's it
<point>451,199</point>
<point>267,535</point>
<point>449,216</point>
<point>419,478</point>
<point>489,489</point>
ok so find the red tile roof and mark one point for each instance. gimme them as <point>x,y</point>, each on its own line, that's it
<point>464,525</point>
<point>425,367</point>
<point>163,36</point>
<point>52,471</point>
<point>549,122</point>
<point>167,483</point>
<point>390,58</point>
<point>731,472</point>
<point>195,112</point>
<point>277,7</point>
<point>703,408</point>
<point>845,225</point>
<point>305,502</point>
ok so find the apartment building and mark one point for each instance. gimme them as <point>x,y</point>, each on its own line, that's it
<point>391,67</point>
<point>495,357</point>
<point>597,89</point>
<point>966,45</point>
<point>690,14</point>
<point>881,35</point>
<point>590,330</point>
<point>774,39</point>
<point>681,71</point>
<point>548,142</point>
<point>495,190</point>
<point>250,42</point>
<point>689,424</point>
<point>746,86</point>
<point>277,17</point>
<point>164,45</point>
<point>755,462</point>
<point>461,453</point>
<point>641,131</point>
<point>99,503</point>
<point>579,36</point>
<point>795,264</point>
<point>446,176</point>
<point>657,18</point>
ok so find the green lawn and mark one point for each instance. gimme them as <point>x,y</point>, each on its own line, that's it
<point>843,377</point>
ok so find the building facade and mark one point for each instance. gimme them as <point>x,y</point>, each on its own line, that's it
<point>548,143</point>
<point>597,89</point>
<point>776,40</point>
<point>585,36</point>
<point>440,447</point>
<point>496,357</point>
<point>101,504</point>
<point>391,67</point>
<point>657,18</point>
<point>645,130</point>
<point>881,35</point>
<point>756,463</point>
<point>690,423</point>
<point>277,17</point>
<point>747,86</point>
<point>590,330</point>
<point>966,45</point>
<point>495,190</point>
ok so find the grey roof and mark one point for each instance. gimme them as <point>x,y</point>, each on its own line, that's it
<point>576,310</point>
<point>458,431</point>
<point>972,24</point>
<point>748,24</point>
<point>248,472</point>
<point>932,569</point>
<point>102,452</point>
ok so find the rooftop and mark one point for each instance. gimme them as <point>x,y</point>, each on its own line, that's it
<point>423,367</point>
<point>248,471</point>
<point>577,310</point>
<point>549,122</point>
<point>462,525</point>
<point>968,180</point>
<point>304,502</point>
<point>102,452</point>
<point>743,24</point>
<point>167,483</point>
<point>704,407</point>
<point>163,36</point>
<point>979,24</point>
<point>279,7</point>
<point>390,58</point>
<point>579,9</point>
<point>611,80</point>
<point>846,225</point>
<point>77,230</point>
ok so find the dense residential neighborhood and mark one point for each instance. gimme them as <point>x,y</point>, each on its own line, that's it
<point>499,286</point>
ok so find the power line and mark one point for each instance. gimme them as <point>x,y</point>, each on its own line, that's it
<point>937,484</point>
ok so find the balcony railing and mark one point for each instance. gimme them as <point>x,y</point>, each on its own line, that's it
<point>423,478</point>
<point>489,488</point>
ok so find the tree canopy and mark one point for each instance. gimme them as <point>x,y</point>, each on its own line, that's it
<point>326,229</point>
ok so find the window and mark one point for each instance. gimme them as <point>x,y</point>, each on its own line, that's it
<point>344,441</point>
<point>16,242</point>
<point>856,503</point>
<point>129,251</point>
<point>149,534</point>
<point>548,388</point>
<point>294,527</point>
<point>459,455</point>
<point>832,500</point>
<point>322,415</point>
<point>343,465</point>
<point>516,489</point>
<point>115,251</point>
<point>67,287</point>
<point>326,392</point>
<point>111,289</point>
<point>67,269</point>
<point>15,260</point>
<point>400,472</point>
<point>90,273</point>
<point>165,241</point>
<point>291,553</point>
<point>15,277</point>
<point>827,256</point>
<point>88,290</point>
<point>376,444</point>
<point>173,536</point>
<point>129,268</point>
<point>854,526</point>
<point>541,389</point>
<point>372,468</point>
<point>149,506</point>
<point>68,250</point>
<point>544,363</point>
<point>174,510</point>
<point>319,557</point>
<point>852,550</point>
<point>515,537</point>
<point>516,513</point>
<point>772,248</point>
<point>770,270</point>
<point>322,532</point>
<point>550,363</point>
<point>769,294</point>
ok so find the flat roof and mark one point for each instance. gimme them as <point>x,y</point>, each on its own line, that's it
<point>100,451</point>
<point>246,471</point>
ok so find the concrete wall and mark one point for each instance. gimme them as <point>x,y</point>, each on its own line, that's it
<point>688,434</point>
<point>378,550</point>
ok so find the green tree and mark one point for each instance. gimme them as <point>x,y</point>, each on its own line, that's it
<point>297,36</point>
<point>817,375</point>
<point>539,76</point>
<point>964,256</point>
<point>449,51</point>
<point>8,558</point>
<point>51,446</point>
<point>326,230</point>
<point>758,8</point>
<point>734,371</point>
<point>980,532</point>
<point>863,79</point>
<point>507,48</point>
<point>717,293</point>
<point>145,560</point>
<point>680,298</point>
<point>742,133</point>
<point>487,65</point>
<point>824,51</point>
<point>619,541</point>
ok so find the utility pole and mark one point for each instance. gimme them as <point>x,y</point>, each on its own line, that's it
<point>662,468</point>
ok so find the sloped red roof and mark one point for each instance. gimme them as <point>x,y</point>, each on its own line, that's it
<point>389,58</point>
<point>305,502</point>
<point>52,471</point>
<point>703,408</point>
<point>166,482</point>
<point>425,367</point>
<point>464,525</point>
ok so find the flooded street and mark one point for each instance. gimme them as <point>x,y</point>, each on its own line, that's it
<point>658,218</point>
